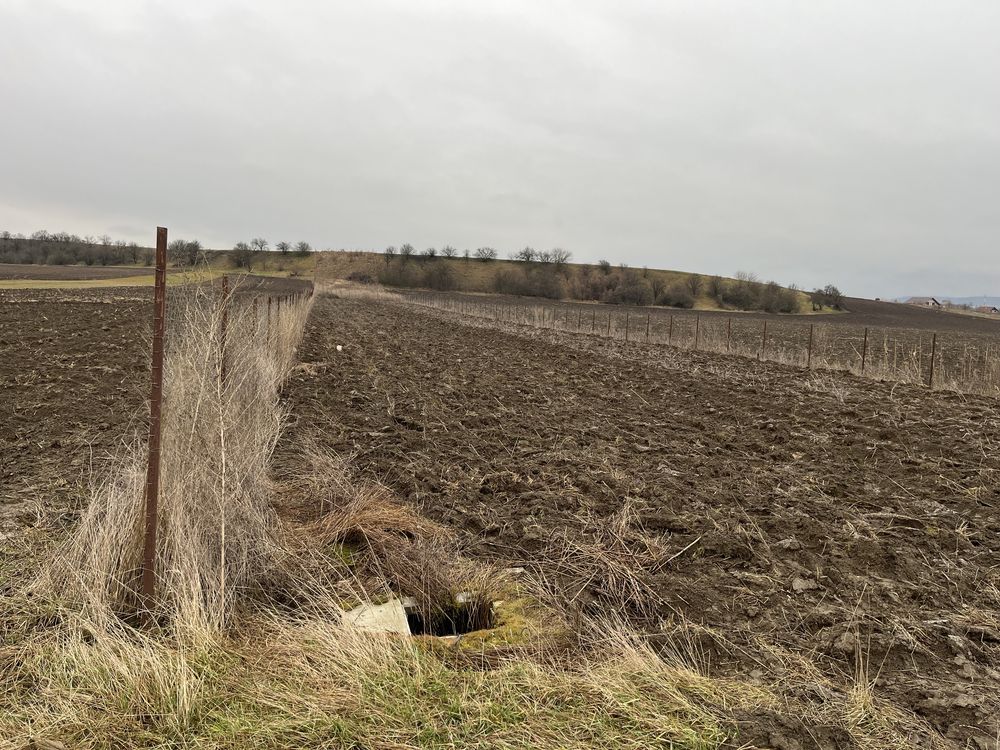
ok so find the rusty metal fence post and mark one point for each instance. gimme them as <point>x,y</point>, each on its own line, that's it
<point>148,582</point>
<point>729,334</point>
<point>809,355</point>
<point>670,333</point>
<point>864,353</point>
<point>763,343</point>
<point>697,331</point>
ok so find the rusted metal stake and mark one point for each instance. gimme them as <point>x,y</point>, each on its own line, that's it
<point>809,356</point>
<point>729,333</point>
<point>930,380</point>
<point>148,582</point>
<point>763,343</point>
<point>697,331</point>
<point>864,353</point>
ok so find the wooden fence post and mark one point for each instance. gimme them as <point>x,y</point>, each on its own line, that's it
<point>670,333</point>
<point>609,324</point>
<point>148,577</point>
<point>647,328</point>
<point>626,326</point>
<point>809,356</point>
<point>729,333</point>
<point>697,331</point>
<point>763,343</point>
<point>593,320</point>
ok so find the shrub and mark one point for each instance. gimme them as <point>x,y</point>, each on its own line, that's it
<point>677,295</point>
<point>694,284</point>
<point>439,277</point>
<point>631,289</point>
<point>716,288</point>
<point>361,277</point>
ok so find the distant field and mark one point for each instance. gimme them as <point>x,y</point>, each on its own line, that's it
<point>31,276</point>
<point>69,273</point>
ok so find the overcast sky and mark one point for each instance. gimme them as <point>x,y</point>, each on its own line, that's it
<point>847,141</point>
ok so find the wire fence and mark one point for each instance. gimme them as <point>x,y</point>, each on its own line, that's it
<point>966,363</point>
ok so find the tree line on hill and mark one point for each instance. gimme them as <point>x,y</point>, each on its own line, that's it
<point>62,249</point>
<point>549,274</point>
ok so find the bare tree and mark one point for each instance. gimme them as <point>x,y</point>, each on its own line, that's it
<point>406,251</point>
<point>658,285</point>
<point>526,255</point>
<point>389,253</point>
<point>486,254</point>
<point>258,245</point>
<point>448,251</point>
<point>465,254</point>
<point>284,247</point>
<point>560,257</point>
<point>716,288</point>
<point>694,283</point>
<point>430,253</point>
<point>242,256</point>
<point>194,251</point>
<point>303,248</point>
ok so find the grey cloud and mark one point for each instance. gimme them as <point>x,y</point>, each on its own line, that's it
<point>850,141</point>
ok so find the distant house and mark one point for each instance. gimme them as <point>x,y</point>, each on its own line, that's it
<point>988,309</point>
<point>924,302</point>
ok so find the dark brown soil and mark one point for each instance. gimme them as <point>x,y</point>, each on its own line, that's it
<point>887,340</point>
<point>72,368</point>
<point>848,523</point>
<point>69,273</point>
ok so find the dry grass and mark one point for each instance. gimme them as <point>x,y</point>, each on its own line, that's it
<point>217,531</point>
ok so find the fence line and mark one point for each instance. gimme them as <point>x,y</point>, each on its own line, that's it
<point>151,492</point>
<point>899,356</point>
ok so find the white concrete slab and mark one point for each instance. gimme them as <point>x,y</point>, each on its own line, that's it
<point>380,618</point>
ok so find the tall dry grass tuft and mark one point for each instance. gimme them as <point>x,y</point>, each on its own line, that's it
<point>217,533</point>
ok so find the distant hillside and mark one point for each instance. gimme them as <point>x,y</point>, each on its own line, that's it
<point>601,282</point>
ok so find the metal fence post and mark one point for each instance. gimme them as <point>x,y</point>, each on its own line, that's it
<point>626,326</point>
<point>697,331</point>
<point>729,333</point>
<point>809,356</point>
<point>763,343</point>
<point>670,333</point>
<point>864,353</point>
<point>148,581</point>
